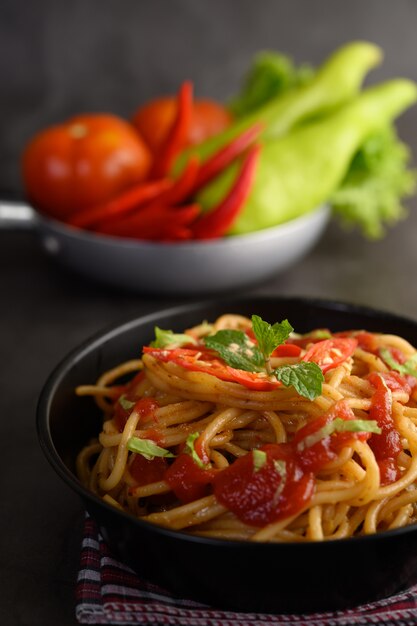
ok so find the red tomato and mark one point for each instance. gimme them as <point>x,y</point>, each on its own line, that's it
<point>83,162</point>
<point>154,119</point>
<point>188,480</point>
<point>262,496</point>
<point>203,361</point>
<point>330,353</point>
<point>319,454</point>
<point>146,471</point>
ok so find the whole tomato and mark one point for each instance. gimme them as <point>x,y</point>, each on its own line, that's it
<point>85,161</point>
<point>154,119</point>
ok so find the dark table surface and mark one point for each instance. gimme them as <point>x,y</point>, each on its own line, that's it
<point>45,311</point>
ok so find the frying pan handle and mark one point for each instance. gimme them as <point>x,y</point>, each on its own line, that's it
<point>16,216</point>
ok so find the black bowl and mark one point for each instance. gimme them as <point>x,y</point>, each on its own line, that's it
<point>235,575</point>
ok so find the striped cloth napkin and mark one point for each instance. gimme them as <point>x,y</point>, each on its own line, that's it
<point>108,592</point>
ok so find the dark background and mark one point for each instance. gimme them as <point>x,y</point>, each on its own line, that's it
<point>63,57</point>
<point>59,58</point>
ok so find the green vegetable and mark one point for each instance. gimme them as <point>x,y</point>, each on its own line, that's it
<point>166,338</point>
<point>259,459</point>
<point>372,192</point>
<point>125,403</point>
<point>336,82</point>
<point>379,179</point>
<point>238,351</point>
<point>306,378</point>
<point>280,467</point>
<point>147,448</point>
<point>339,425</point>
<point>269,337</point>
<point>299,171</point>
<point>409,367</point>
<point>272,74</point>
<point>190,449</point>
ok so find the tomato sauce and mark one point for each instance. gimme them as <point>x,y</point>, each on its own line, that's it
<point>188,480</point>
<point>387,445</point>
<point>282,486</point>
<point>146,407</point>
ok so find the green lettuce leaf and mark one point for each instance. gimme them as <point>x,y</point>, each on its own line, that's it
<point>168,339</point>
<point>270,75</point>
<point>376,185</point>
<point>147,448</point>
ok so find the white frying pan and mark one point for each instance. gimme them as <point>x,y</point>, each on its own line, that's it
<point>200,267</point>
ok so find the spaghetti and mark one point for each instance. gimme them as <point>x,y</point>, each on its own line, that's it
<point>193,443</point>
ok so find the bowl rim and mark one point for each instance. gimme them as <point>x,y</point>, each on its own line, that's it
<point>110,332</point>
<point>259,236</point>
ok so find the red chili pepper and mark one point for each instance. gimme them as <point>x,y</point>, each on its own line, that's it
<point>161,223</point>
<point>330,353</point>
<point>202,360</point>
<point>226,155</point>
<point>181,188</point>
<point>216,223</point>
<point>287,349</point>
<point>126,202</point>
<point>177,137</point>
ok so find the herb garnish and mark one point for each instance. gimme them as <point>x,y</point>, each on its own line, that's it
<point>409,367</point>
<point>147,448</point>
<point>237,349</point>
<point>166,338</point>
<point>339,425</point>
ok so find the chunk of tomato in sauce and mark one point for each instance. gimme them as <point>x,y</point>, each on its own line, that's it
<point>279,489</point>
<point>145,471</point>
<point>146,408</point>
<point>386,446</point>
<point>187,479</point>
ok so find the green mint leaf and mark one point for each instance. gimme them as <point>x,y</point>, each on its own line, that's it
<point>190,449</point>
<point>147,448</point>
<point>339,425</point>
<point>306,378</point>
<point>270,336</point>
<point>126,404</point>
<point>168,339</point>
<point>409,367</point>
<point>236,349</point>
<point>259,459</point>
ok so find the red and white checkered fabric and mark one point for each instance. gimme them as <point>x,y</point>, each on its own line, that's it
<point>108,592</point>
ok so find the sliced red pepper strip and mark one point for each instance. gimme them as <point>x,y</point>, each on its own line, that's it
<point>181,189</point>
<point>226,155</point>
<point>177,137</point>
<point>330,353</point>
<point>387,445</point>
<point>203,361</point>
<point>157,224</point>
<point>287,350</point>
<point>217,222</point>
<point>126,202</point>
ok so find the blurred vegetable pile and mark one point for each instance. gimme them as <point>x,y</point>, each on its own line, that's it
<point>181,168</point>
<point>379,176</point>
